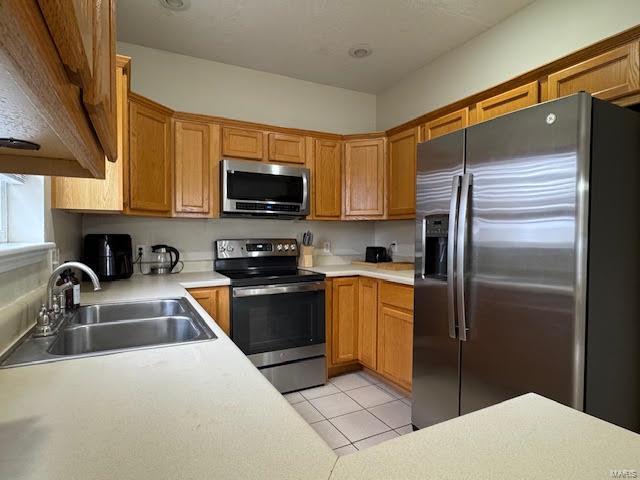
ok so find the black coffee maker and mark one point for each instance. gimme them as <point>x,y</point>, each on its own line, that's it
<point>109,255</point>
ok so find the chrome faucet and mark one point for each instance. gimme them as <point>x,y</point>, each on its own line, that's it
<point>51,315</point>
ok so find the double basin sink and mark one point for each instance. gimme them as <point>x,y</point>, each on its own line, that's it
<point>110,328</point>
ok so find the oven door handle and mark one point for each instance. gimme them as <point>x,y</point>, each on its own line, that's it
<point>277,289</point>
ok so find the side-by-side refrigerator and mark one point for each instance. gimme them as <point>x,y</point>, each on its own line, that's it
<point>527,263</point>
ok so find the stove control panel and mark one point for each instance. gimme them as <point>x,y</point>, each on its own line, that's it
<point>263,247</point>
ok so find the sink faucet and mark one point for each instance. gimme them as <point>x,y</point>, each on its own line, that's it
<point>51,315</point>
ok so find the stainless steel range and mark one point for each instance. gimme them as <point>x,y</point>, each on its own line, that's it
<point>277,310</point>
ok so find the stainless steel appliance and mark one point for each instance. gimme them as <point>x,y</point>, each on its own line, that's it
<point>163,260</point>
<point>277,310</point>
<point>526,263</point>
<point>109,255</point>
<point>250,188</point>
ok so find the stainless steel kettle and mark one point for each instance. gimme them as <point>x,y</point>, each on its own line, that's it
<point>164,259</point>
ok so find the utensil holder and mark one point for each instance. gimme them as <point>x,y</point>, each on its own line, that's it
<point>306,256</point>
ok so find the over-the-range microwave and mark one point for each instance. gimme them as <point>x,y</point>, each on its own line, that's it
<point>252,188</point>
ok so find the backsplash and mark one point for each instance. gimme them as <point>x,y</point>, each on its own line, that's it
<point>194,237</point>
<point>400,231</point>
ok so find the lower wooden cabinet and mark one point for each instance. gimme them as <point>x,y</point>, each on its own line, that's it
<point>344,330</point>
<point>368,321</point>
<point>215,300</point>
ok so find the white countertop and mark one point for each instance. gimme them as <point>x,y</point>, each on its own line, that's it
<point>397,276</point>
<point>202,410</point>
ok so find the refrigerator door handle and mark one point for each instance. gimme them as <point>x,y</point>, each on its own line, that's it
<point>461,234</point>
<point>423,246</point>
<point>451,255</point>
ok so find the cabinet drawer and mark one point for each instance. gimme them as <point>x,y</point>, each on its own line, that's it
<point>397,295</point>
<point>243,143</point>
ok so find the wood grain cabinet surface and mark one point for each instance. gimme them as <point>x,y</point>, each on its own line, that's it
<point>150,159</point>
<point>367,321</point>
<point>395,344</point>
<point>242,143</point>
<point>344,341</point>
<point>196,168</point>
<point>100,195</point>
<point>215,300</point>
<point>520,97</point>
<point>402,174</point>
<point>327,179</point>
<point>446,124</point>
<point>286,148</point>
<point>613,75</point>
<point>364,178</point>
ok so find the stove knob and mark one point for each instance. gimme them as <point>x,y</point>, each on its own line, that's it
<point>221,248</point>
<point>286,246</point>
<point>293,247</point>
<point>279,247</point>
<point>229,249</point>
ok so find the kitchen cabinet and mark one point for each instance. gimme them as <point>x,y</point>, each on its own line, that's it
<point>286,148</point>
<point>327,179</point>
<point>344,334</point>
<point>196,168</point>
<point>395,340</point>
<point>98,195</point>
<point>445,124</point>
<point>84,33</point>
<point>215,300</point>
<point>242,143</point>
<point>515,99</point>
<point>364,178</point>
<point>402,174</point>
<point>613,75</point>
<point>367,321</point>
<point>40,98</point>
<point>150,158</point>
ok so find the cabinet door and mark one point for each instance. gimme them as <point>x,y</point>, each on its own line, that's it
<point>243,143</point>
<point>150,169</point>
<point>395,344</point>
<point>215,300</point>
<point>327,179</point>
<point>610,76</point>
<point>364,174</point>
<point>344,335</point>
<point>367,321</point>
<point>98,195</point>
<point>286,148</point>
<point>447,123</point>
<point>195,159</point>
<point>506,102</point>
<point>85,37</point>
<point>402,174</point>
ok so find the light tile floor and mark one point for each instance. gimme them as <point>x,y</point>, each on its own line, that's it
<point>354,411</point>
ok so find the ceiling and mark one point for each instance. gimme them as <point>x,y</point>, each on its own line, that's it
<point>309,39</point>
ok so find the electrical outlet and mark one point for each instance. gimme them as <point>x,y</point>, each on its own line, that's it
<point>393,247</point>
<point>326,246</point>
<point>140,250</point>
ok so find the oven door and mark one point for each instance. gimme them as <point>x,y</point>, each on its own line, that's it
<point>255,188</point>
<point>286,318</point>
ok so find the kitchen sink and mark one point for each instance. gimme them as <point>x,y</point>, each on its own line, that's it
<point>111,328</point>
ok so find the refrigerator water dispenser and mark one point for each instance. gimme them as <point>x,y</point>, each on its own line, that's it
<point>436,233</point>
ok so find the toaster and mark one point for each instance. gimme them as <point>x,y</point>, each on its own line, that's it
<point>376,255</point>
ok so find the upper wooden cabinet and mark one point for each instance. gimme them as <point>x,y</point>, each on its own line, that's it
<point>614,75</point>
<point>506,102</point>
<point>368,321</point>
<point>402,174</point>
<point>344,334</point>
<point>42,100</point>
<point>327,179</point>
<point>364,178</point>
<point>445,124</point>
<point>97,195</point>
<point>84,32</point>
<point>150,159</point>
<point>286,148</point>
<point>196,168</point>
<point>242,143</point>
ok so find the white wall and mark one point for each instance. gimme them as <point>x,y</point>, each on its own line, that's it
<point>542,32</point>
<point>201,86</point>
<point>194,237</point>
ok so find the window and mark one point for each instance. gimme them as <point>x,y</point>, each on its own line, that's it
<point>6,180</point>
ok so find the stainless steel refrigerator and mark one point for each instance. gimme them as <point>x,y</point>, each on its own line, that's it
<point>527,258</point>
